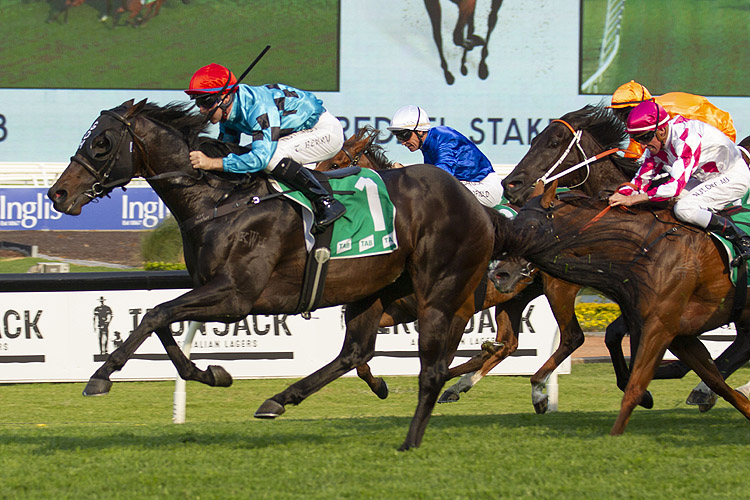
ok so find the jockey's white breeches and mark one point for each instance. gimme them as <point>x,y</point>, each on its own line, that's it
<point>698,202</point>
<point>311,146</point>
<point>489,191</point>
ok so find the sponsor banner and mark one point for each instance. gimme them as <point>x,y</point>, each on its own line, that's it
<point>136,208</point>
<point>58,337</point>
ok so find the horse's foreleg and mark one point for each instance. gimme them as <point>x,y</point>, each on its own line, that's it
<point>561,297</point>
<point>616,331</point>
<point>692,351</point>
<point>508,320</point>
<point>654,342</point>
<point>359,345</point>
<point>202,304</point>
<point>484,71</point>
<point>433,10</point>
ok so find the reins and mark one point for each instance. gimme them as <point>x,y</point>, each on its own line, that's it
<point>575,141</point>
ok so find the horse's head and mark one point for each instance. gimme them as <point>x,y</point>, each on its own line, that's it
<point>563,144</point>
<point>103,161</point>
<point>358,150</point>
<point>509,274</point>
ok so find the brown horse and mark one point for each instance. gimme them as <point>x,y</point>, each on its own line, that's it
<point>249,259</point>
<point>362,149</point>
<point>463,34</point>
<point>670,280</point>
<point>592,132</point>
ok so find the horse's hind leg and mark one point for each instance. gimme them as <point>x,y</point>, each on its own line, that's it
<point>376,384</point>
<point>359,345</point>
<point>692,351</point>
<point>727,363</point>
<point>561,297</point>
<point>436,350</point>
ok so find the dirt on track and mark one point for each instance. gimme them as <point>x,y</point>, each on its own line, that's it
<point>114,247</point>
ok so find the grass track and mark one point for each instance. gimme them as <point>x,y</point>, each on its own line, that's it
<point>341,443</point>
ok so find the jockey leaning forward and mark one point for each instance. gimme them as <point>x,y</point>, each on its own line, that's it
<point>449,150</point>
<point>706,171</point>
<point>289,128</point>
<point>691,106</point>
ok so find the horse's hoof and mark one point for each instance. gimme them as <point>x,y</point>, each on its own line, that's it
<point>269,409</point>
<point>492,347</point>
<point>382,391</point>
<point>97,387</point>
<point>222,378</point>
<point>484,71</point>
<point>700,398</point>
<point>647,400</point>
<point>407,446</point>
<point>541,406</point>
<point>703,408</point>
<point>449,397</point>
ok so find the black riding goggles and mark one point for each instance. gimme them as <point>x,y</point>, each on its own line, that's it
<point>207,101</point>
<point>644,138</point>
<point>402,135</point>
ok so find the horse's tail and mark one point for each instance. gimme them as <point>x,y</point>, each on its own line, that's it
<point>502,226</point>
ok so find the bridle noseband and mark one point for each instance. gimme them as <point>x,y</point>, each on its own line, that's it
<point>354,159</point>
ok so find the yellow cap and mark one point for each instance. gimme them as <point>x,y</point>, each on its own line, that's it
<point>630,94</point>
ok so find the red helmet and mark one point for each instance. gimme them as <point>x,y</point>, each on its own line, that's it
<point>211,79</point>
<point>646,117</point>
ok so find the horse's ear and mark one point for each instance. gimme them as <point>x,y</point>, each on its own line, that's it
<point>538,189</point>
<point>549,195</point>
<point>127,104</point>
<point>134,110</point>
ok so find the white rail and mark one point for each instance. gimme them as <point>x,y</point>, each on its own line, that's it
<point>610,43</point>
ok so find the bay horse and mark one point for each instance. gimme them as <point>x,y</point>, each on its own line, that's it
<point>139,13</point>
<point>463,33</point>
<point>251,260</point>
<point>669,279</point>
<point>363,150</point>
<point>593,132</point>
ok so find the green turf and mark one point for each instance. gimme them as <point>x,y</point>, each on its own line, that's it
<point>164,53</point>
<point>694,46</point>
<point>341,443</point>
<point>22,265</point>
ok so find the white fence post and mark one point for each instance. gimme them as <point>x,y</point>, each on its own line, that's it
<point>180,396</point>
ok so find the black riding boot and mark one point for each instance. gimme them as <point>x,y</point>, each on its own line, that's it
<point>326,208</point>
<point>729,230</point>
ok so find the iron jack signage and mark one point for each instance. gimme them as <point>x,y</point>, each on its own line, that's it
<point>53,336</point>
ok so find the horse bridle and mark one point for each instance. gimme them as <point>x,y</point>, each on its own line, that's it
<point>575,141</point>
<point>354,159</point>
<point>101,167</point>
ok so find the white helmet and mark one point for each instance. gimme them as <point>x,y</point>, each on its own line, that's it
<point>410,118</point>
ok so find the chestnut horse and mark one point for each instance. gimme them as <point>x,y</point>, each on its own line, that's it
<point>591,132</point>
<point>249,259</point>
<point>363,150</point>
<point>670,280</point>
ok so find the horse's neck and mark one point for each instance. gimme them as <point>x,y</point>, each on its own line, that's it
<point>603,176</point>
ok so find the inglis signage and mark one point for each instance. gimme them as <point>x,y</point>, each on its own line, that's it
<point>29,208</point>
<point>58,337</point>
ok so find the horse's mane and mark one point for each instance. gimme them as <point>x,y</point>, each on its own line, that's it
<point>608,130</point>
<point>375,152</point>
<point>577,253</point>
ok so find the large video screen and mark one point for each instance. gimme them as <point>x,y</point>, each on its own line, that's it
<point>158,44</point>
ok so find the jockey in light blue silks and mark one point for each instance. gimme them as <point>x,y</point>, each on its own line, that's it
<point>288,127</point>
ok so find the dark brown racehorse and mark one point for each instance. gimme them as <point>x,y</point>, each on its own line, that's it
<point>463,33</point>
<point>590,132</point>
<point>251,260</point>
<point>362,149</point>
<point>670,280</point>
